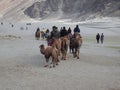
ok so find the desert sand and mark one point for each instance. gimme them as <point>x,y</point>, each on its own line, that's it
<point>22,64</point>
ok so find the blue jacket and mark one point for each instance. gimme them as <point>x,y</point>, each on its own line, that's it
<point>77,30</point>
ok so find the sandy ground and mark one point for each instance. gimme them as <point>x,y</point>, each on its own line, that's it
<point>21,65</point>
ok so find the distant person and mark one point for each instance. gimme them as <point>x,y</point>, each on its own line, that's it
<point>12,25</point>
<point>37,34</point>
<point>69,30</point>
<point>70,39</point>
<point>69,33</point>
<point>1,23</point>
<point>47,35</point>
<point>98,37</point>
<point>102,38</point>
<point>43,31</point>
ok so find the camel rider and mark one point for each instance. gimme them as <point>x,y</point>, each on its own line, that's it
<point>69,33</point>
<point>63,32</point>
<point>54,34</point>
<point>47,35</point>
<point>37,34</point>
<point>69,30</point>
<point>64,42</point>
<point>77,30</point>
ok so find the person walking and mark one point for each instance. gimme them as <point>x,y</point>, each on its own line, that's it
<point>102,38</point>
<point>98,37</point>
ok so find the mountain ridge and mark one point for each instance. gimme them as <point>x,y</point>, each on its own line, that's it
<point>76,10</point>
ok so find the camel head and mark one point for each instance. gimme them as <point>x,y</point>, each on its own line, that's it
<point>42,49</point>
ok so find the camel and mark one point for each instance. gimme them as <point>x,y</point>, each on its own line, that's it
<point>48,52</point>
<point>76,44</point>
<point>37,34</point>
<point>70,43</point>
<point>64,47</point>
<point>56,43</point>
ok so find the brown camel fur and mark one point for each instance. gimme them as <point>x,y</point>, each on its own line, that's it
<point>70,39</point>
<point>37,35</point>
<point>57,43</point>
<point>76,44</point>
<point>48,52</point>
<point>64,47</point>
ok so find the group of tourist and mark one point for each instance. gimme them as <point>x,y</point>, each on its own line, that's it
<point>55,33</point>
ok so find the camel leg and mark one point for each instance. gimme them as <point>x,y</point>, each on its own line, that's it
<point>54,62</point>
<point>47,60</point>
<point>46,65</point>
<point>57,61</point>
<point>58,52</point>
<point>74,53</point>
<point>62,56</point>
<point>78,54</point>
<point>51,65</point>
<point>65,55</point>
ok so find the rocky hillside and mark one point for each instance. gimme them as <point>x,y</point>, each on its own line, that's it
<point>82,9</point>
<point>17,10</point>
<point>13,10</point>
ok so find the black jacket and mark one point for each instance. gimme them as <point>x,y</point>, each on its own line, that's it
<point>63,33</point>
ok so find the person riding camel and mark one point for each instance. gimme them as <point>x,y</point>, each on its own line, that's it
<point>37,34</point>
<point>63,32</point>
<point>47,36</point>
<point>69,33</point>
<point>77,30</point>
<point>70,39</point>
<point>64,43</point>
<point>55,39</point>
<point>54,34</point>
<point>69,30</point>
